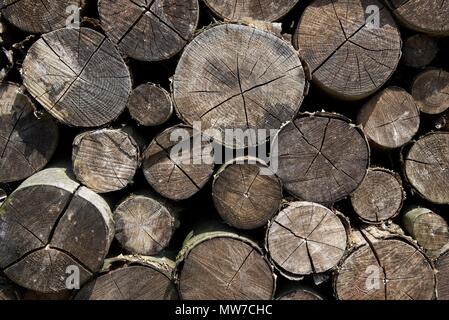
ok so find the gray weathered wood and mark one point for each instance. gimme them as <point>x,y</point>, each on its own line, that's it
<point>442,266</point>
<point>419,51</point>
<point>431,91</point>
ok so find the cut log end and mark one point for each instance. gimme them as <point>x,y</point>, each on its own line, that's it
<point>427,167</point>
<point>322,158</point>
<point>105,160</point>
<point>225,267</point>
<point>300,295</point>
<point>390,119</point>
<point>143,225</point>
<point>27,143</point>
<point>419,51</point>
<point>150,105</point>
<point>78,76</point>
<point>431,91</point>
<point>442,266</point>
<point>149,30</point>
<point>348,57</point>
<point>380,196</point>
<point>245,197</point>
<point>306,238</point>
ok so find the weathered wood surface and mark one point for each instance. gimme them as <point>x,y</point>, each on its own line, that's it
<point>431,91</point>
<point>78,76</point>
<point>442,266</point>
<point>246,193</point>
<point>105,160</point>
<point>380,196</point>
<point>347,57</point>
<point>390,119</point>
<point>8,291</point>
<point>149,30</point>
<point>235,76</point>
<point>419,50</point>
<point>322,158</point>
<point>306,238</point>
<point>27,142</point>
<point>51,223</point>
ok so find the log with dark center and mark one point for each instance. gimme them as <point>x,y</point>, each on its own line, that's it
<point>78,76</point>
<point>322,158</point>
<point>390,119</point>
<point>40,16</point>
<point>266,10</point>
<point>149,30</point>
<point>247,194</point>
<point>306,238</point>
<point>223,266</point>
<point>419,51</point>
<point>178,168</point>
<point>427,167</point>
<point>348,56</point>
<point>431,91</point>
<point>105,160</point>
<point>51,225</point>
<point>380,196</point>
<point>431,17</point>
<point>27,142</point>
<point>238,77</point>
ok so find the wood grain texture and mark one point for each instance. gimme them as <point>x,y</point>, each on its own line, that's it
<point>427,16</point>
<point>149,30</point>
<point>298,293</point>
<point>419,51</point>
<point>8,291</point>
<point>238,77</point>
<point>348,59</point>
<point>390,119</point>
<point>427,167</point>
<point>105,160</point>
<point>385,270</point>
<point>442,265</point>
<point>322,158</point>
<point>144,225</point>
<point>78,76</point>
<point>178,176</point>
<point>306,238</point>
<point>223,266</point>
<point>429,229</point>
<point>431,91</point>
<point>27,143</point>
<point>38,16</point>
<point>135,278</point>
<point>380,196</point>
<point>150,105</point>
<point>48,224</point>
<point>266,10</point>
<point>245,198</point>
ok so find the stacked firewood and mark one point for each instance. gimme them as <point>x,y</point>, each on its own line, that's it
<point>100,100</point>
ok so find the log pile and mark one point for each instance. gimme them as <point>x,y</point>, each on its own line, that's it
<point>229,150</point>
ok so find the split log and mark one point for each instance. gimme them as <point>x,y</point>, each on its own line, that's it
<point>390,119</point>
<point>348,57</point>
<point>429,229</point>
<point>442,266</point>
<point>223,266</point>
<point>149,30</point>
<point>78,76</point>
<point>380,196</point>
<point>144,224</point>
<point>239,77</point>
<point>385,269</point>
<point>322,158</point>
<point>105,160</point>
<point>298,293</point>
<point>305,238</point>
<point>246,193</point>
<point>8,291</point>
<point>431,17</point>
<point>51,224</point>
<point>175,165</point>
<point>132,278</point>
<point>419,51</point>
<point>150,105</point>
<point>427,167</point>
<point>40,16</point>
<point>266,10</point>
<point>431,91</point>
<point>27,143</point>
